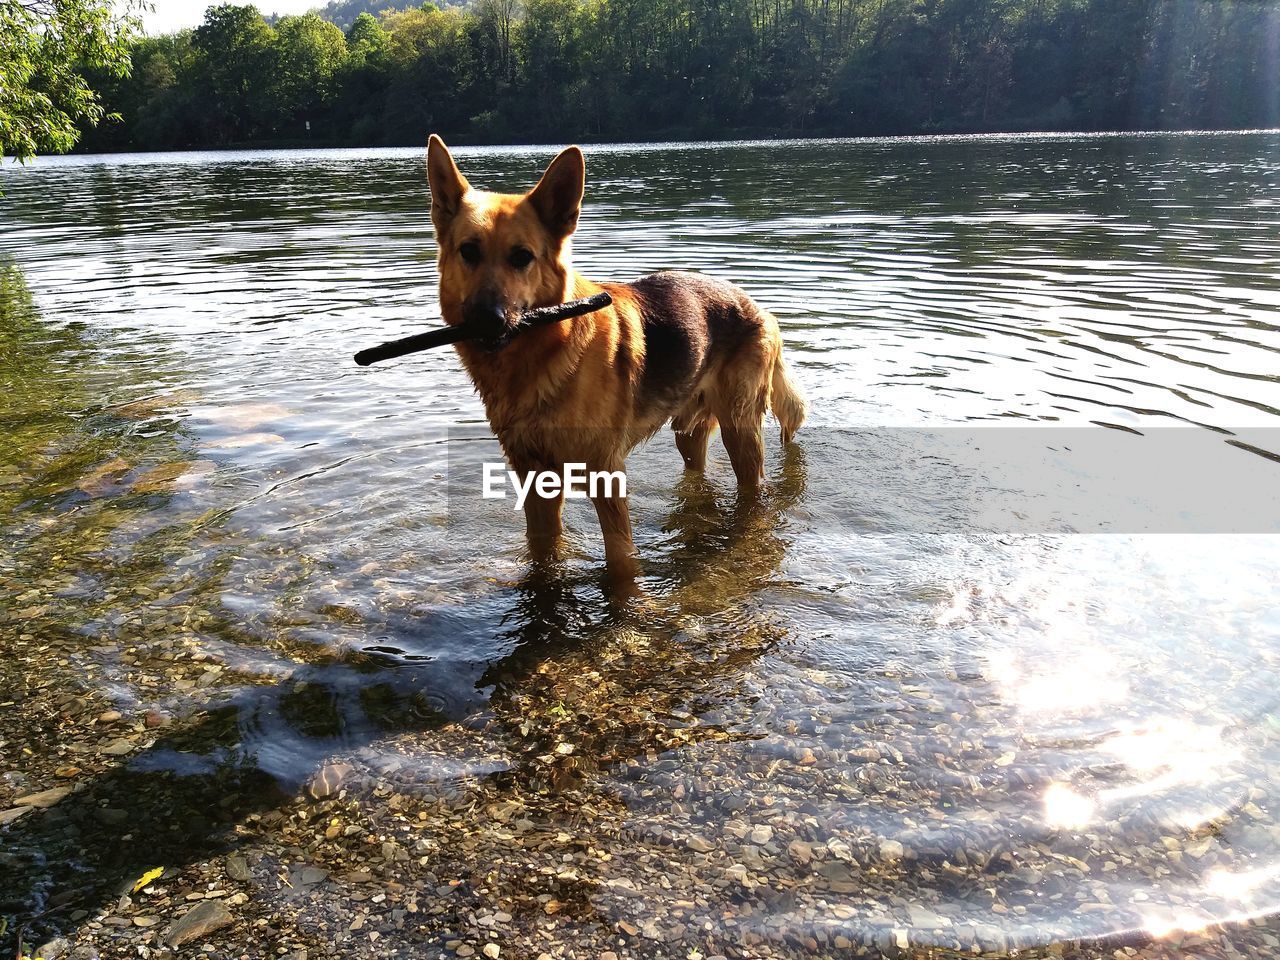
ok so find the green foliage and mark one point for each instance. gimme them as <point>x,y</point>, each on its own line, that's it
<point>308,55</point>
<point>557,70</point>
<point>366,40</point>
<point>234,72</point>
<point>46,47</point>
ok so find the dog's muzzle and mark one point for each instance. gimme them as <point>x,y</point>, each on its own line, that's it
<point>493,323</point>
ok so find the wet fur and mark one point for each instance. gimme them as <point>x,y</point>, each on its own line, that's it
<point>678,347</point>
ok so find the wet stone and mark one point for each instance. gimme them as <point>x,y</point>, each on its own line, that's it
<point>328,780</point>
<point>8,816</point>
<point>45,798</point>
<point>891,850</point>
<point>204,918</point>
<point>800,851</point>
<point>308,876</point>
<point>238,868</point>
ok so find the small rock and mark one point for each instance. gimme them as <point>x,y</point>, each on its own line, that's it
<point>109,716</point>
<point>922,918</point>
<point>203,918</point>
<point>699,844</point>
<point>800,851</point>
<point>761,834</point>
<point>45,798</point>
<point>504,810</point>
<point>8,816</point>
<point>391,852</point>
<point>118,748</point>
<point>492,950</point>
<point>238,867</point>
<point>1200,847</point>
<point>142,922</point>
<point>328,779</point>
<point>309,876</point>
<point>55,949</point>
<point>840,850</point>
<point>891,850</point>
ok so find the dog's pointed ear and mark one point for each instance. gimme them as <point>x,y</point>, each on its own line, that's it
<point>447,183</point>
<point>558,195</point>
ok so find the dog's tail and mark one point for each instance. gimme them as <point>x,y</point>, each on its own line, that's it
<point>786,400</point>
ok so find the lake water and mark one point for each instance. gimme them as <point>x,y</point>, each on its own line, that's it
<point>993,664</point>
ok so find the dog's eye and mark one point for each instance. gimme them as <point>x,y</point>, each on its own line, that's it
<point>520,257</point>
<point>471,252</point>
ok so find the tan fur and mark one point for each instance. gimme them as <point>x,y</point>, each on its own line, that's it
<point>575,392</point>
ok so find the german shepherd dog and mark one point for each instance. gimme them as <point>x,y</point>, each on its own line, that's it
<point>673,346</point>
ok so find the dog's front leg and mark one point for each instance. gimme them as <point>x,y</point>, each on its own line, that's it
<point>542,515</point>
<point>542,523</point>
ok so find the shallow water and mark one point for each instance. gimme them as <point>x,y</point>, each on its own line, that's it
<point>999,642</point>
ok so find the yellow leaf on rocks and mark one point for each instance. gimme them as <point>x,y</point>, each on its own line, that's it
<point>148,877</point>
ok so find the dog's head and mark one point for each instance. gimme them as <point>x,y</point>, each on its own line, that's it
<point>501,254</point>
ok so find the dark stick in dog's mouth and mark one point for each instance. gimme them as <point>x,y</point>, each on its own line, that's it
<point>539,316</point>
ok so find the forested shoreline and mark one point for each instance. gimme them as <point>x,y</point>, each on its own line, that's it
<point>561,70</point>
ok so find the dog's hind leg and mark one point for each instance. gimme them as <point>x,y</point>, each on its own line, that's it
<point>745,444</point>
<point>692,442</point>
<point>739,399</point>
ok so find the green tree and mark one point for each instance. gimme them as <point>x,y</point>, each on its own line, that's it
<point>309,54</point>
<point>551,57</point>
<point>432,70</point>
<point>366,40</point>
<point>563,69</point>
<point>155,105</point>
<point>235,71</point>
<point>46,46</point>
